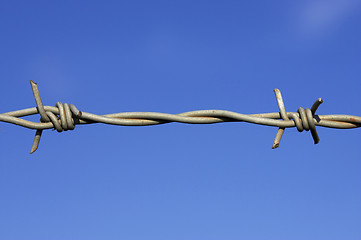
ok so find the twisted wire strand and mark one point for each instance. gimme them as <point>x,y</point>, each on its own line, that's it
<point>63,117</point>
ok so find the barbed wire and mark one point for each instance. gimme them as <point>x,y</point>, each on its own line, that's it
<point>63,117</point>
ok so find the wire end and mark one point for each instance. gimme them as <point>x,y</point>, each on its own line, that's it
<point>33,149</point>
<point>275,145</point>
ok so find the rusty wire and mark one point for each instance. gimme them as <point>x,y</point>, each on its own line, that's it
<point>63,117</point>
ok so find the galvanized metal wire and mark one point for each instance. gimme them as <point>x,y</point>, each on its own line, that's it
<point>63,117</point>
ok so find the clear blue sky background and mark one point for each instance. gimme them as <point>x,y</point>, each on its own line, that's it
<point>178,181</point>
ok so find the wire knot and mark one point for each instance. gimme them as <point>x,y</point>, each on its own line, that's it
<point>304,120</point>
<point>68,117</point>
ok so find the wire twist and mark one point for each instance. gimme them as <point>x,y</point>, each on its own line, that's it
<point>63,117</point>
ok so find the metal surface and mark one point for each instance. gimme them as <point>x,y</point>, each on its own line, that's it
<point>65,117</point>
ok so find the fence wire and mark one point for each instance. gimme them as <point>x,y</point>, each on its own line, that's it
<point>63,117</point>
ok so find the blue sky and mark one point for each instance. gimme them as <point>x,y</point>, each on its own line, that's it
<point>178,181</point>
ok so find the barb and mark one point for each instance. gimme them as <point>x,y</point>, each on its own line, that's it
<point>63,117</point>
